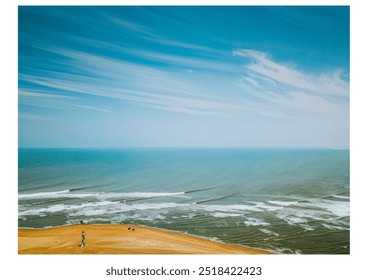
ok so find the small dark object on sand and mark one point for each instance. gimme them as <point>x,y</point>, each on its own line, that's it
<point>129,228</point>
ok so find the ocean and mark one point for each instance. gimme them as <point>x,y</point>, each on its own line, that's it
<point>289,201</point>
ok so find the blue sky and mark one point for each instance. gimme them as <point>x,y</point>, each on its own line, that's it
<point>183,76</point>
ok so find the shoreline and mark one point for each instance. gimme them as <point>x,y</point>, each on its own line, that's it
<point>120,239</point>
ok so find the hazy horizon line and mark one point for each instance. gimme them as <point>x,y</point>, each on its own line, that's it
<point>191,147</point>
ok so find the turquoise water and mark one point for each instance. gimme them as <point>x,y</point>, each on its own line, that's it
<point>283,200</point>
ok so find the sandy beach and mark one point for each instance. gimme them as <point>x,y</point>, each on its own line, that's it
<point>120,239</point>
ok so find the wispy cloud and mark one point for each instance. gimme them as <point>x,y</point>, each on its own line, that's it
<point>183,68</point>
<point>34,94</point>
<point>271,89</point>
<point>33,117</point>
<point>284,86</point>
<point>49,100</point>
<point>263,69</point>
<point>150,35</point>
<point>142,85</point>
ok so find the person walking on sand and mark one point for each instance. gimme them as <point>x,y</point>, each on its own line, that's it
<point>83,238</point>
